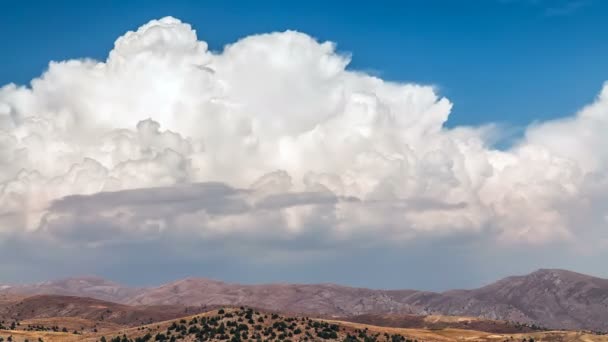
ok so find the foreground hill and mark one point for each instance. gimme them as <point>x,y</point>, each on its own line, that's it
<point>246,324</point>
<point>549,298</point>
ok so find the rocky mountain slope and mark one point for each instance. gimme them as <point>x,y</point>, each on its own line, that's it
<point>553,298</point>
<point>549,298</point>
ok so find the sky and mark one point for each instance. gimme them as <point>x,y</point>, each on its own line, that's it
<point>417,144</point>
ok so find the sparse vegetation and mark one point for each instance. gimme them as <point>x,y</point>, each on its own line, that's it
<point>245,324</point>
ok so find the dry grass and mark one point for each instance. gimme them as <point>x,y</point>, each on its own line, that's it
<point>440,335</point>
<point>33,336</point>
<point>450,334</point>
<point>73,323</point>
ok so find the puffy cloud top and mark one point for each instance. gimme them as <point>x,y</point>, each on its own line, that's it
<point>303,145</point>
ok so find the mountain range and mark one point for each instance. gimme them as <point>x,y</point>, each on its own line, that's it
<point>550,298</point>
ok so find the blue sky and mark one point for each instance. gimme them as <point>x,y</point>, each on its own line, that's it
<point>270,162</point>
<point>508,61</point>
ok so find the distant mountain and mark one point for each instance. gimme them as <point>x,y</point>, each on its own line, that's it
<point>87,286</point>
<point>320,299</point>
<point>549,298</point>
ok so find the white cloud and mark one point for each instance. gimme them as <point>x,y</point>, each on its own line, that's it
<point>302,146</point>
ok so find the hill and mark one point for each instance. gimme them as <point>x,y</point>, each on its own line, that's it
<point>246,324</point>
<point>42,309</point>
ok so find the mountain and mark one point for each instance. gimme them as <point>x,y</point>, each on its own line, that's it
<point>551,298</point>
<point>319,299</point>
<point>548,297</point>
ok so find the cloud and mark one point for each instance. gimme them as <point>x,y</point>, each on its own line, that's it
<point>272,142</point>
<point>554,8</point>
<point>567,8</point>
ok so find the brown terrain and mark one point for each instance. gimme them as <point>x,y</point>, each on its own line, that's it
<point>438,322</point>
<point>243,324</point>
<point>555,299</point>
<point>41,307</point>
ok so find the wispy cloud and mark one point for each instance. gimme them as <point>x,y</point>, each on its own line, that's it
<point>566,8</point>
<point>553,8</point>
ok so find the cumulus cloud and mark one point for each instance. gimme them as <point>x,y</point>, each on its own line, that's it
<point>274,140</point>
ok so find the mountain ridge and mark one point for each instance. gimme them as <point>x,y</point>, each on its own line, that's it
<point>552,298</point>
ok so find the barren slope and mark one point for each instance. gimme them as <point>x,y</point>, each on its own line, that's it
<point>247,324</point>
<point>50,306</point>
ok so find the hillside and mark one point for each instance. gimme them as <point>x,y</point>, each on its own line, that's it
<point>35,309</point>
<point>246,324</point>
